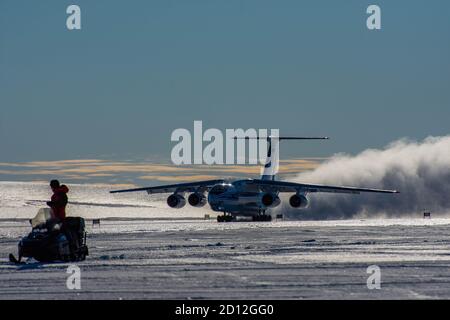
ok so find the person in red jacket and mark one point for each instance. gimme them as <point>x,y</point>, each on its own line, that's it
<point>59,200</point>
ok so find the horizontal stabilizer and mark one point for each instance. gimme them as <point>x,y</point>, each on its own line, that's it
<point>283,138</point>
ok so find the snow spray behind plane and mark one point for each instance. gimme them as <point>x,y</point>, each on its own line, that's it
<point>419,170</point>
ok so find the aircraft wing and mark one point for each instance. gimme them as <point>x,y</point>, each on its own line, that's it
<point>283,186</point>
<point>179,187</point>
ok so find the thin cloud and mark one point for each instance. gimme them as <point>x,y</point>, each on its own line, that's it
<point>93,170</point>
<point>180,178</point>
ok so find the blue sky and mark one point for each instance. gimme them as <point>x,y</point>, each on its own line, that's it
<point>137,70</point>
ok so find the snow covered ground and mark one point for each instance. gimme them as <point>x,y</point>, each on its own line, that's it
<point>195,259</point>
<point>144,250</point>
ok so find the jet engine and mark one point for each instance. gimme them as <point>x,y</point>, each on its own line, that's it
<point>270,200</point>
<point>298,201</point>
<point>197,199</point>
<point>176,201</point>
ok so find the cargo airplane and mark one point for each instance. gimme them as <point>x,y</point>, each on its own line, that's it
<point>250,197</point>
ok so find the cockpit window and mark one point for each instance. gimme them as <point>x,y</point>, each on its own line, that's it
<point>218,189</point>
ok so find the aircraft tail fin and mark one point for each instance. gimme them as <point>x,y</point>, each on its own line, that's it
<point>271,166</point>
<point>270,169</point>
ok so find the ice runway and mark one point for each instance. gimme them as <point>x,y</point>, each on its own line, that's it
<point>198,259</point>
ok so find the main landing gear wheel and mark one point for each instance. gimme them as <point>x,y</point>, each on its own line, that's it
<point>224,218</point>
<point>262,217</point>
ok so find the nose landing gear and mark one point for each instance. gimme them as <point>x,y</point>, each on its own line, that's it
<point>262,216</point>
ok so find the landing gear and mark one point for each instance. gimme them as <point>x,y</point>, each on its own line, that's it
<point>262,217</point>
<point>225,218</point>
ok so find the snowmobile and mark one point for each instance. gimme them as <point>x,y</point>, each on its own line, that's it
<point>50,240</point>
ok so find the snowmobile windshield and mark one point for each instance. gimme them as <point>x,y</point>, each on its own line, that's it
<point>42,216</point>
